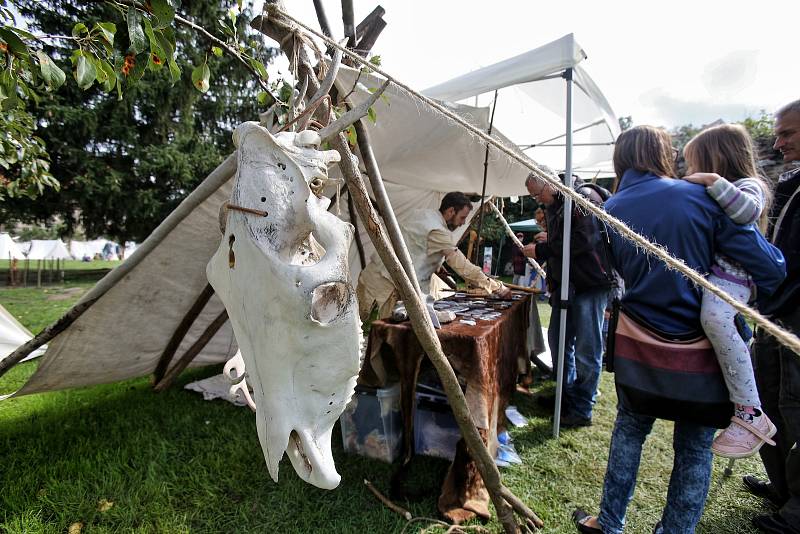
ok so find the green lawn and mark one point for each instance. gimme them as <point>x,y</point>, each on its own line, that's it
<point>172,462</point>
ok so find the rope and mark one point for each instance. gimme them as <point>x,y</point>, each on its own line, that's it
<point>653,249</point>
<point>513,236</point>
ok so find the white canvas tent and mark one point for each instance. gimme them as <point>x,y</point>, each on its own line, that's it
<point>141,302</point>
<point>81,249</point>
<point>48,249</point>
<point>9,250</point>
<point>13,334</point>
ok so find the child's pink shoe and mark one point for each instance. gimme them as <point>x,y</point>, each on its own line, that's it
<point>742,439</point>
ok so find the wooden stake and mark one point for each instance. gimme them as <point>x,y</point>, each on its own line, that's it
<point>180,332</point>
<point>389,504</point>
<point>193,351</point>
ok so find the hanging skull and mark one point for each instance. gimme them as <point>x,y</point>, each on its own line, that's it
<point>295,319</point>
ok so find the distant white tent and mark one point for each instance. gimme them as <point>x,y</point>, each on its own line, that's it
<point>48,249</point>
<point>9,249</point>
<point>13,334</point>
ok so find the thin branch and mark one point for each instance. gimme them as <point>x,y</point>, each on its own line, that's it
<point>353,115</point>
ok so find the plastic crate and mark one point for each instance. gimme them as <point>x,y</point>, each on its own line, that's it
<point>435,429</point>
<point>371,423</point>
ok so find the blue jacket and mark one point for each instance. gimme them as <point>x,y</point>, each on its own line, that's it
<point>684,219</point>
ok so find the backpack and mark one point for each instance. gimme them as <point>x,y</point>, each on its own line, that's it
<point>598,195</point>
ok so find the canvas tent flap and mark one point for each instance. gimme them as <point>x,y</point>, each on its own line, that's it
<point>418,148</point>
<point>124,333</point>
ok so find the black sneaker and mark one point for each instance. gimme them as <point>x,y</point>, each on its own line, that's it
<point>575,421</point>
<point>762,489</point>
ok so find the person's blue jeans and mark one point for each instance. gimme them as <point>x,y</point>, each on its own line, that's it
<point>583,353</point>
<point>688,483</point>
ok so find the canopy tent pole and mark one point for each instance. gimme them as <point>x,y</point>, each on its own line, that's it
<point>564,302</point>
<point>485,173</point>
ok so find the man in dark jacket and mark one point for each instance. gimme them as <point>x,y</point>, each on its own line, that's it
<point>590,282</point>
<point>777,368</point>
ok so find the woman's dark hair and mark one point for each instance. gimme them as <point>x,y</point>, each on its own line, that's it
<point>455,199</point>
<point>646,149</point>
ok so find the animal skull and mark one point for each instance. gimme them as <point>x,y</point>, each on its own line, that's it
<point>295,318</point>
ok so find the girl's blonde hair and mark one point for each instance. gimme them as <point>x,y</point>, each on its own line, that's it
<point>727,150</point>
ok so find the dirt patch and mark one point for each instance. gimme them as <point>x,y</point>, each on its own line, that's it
<point>68,293</point>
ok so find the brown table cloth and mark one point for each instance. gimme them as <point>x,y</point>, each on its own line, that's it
<point>485,357</point>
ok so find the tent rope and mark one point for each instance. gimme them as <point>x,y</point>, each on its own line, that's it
<point>785,337</point>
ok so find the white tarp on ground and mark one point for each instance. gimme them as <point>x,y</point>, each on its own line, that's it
<point>421,155</point>
<point>9,250</point>
<point>13,334</point>
<point>48,249</point>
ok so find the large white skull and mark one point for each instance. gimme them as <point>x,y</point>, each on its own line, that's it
<point>296,321</point>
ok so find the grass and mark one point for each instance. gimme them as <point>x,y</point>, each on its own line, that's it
<point>172,462</point>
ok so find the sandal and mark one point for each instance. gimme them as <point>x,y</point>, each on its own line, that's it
<point>580,518</point>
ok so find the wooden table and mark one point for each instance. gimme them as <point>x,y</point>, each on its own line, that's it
<point>487,357</point>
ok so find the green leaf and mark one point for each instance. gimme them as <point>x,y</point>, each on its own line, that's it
<point>15,44</point>
<point>53,76</point>
<point>79,29</point>
<point>350,132</point>
<point>372,116</point>
<point>164,11</point>
<point>109,75</point>
<point>174,70</point>
<point>200,77</point>
<point>375,60</point>
<point>264,98</point>
<point>107,31</point>
<point>135,32</point>
<point>259,68</point>
<point>158,55</point>
<point>217,51</point>
<point>85,72</point>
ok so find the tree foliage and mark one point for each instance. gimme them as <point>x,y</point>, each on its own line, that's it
<point>124,162</point>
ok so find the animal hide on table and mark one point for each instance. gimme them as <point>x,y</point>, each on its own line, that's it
<point>294,312</point>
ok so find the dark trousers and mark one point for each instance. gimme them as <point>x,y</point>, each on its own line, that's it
<point>777,371</point>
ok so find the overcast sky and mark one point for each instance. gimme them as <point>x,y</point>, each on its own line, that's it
<point>662,63</point>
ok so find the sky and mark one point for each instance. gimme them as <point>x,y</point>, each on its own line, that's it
<point>665,64</point>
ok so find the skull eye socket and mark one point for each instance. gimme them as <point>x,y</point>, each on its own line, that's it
<point>329,301</point>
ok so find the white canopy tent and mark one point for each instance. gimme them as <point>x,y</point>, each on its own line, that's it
<point>540,85</point>
<point>422,156</point>
<point>9,250</point>
<point>48,249</point>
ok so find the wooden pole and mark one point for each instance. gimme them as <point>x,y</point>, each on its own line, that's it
<point>38,273</point>
<point>385,205</point>
<point>180,332</point>
<point>485,174</point>
<point>278,28</point>
<point>351,212</point>
<point>190,354</point>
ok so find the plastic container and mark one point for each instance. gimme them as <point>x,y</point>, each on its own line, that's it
<point>371,423</point>
<point>435,429</point>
